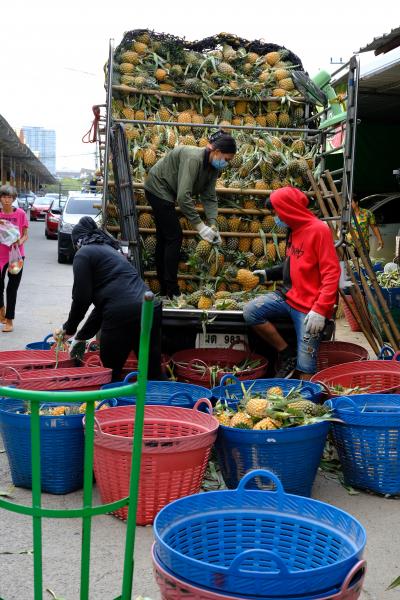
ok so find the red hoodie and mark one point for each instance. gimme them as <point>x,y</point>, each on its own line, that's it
<point>311,270</point>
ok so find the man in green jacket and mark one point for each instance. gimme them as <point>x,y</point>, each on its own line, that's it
<point>185,172</point>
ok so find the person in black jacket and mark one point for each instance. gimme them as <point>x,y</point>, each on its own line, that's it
<point>104,277</point>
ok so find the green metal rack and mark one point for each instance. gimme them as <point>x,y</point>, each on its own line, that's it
<point>37,512</point>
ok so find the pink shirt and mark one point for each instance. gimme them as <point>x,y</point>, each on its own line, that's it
<point>18,218</point>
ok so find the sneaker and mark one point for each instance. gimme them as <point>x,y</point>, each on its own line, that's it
<point>286,367</point>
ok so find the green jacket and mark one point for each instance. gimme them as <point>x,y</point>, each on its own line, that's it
<point>182,174</point>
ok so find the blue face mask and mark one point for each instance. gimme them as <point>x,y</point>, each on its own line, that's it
<point>219,163</point>
<point>279,222</point>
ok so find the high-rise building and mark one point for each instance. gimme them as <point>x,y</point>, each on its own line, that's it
<point>42,142</point>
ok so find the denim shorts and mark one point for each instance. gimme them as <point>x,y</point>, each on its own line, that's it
<point>271,307</point>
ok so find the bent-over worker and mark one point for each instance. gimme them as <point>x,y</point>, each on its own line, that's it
<point>105,278</point>
<point>185,172</point>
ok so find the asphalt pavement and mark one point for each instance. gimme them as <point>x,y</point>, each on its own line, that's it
<point>43,304</point>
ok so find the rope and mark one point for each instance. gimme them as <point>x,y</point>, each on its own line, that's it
<point>90,136</point>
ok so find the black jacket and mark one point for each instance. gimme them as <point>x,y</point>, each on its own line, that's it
<point>103,277</point>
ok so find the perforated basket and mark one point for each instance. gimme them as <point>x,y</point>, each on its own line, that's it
<point>27,360</point>
<point>368,440</point>
<point>376,376</point>
<point>176,447</point>
<point>43,345</point>
<point>268,542</point>
<point>337,353</point>
<point>85,378</point>
<point>167,393</point>
<point>187,365</point>
<point>175,588</point>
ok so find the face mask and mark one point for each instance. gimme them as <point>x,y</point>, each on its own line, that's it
<point>279,222</point>
<point>219,163</point>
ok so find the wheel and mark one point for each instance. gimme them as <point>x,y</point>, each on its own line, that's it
<point>31,218</point>
<point>62,259</point>
<point>46,235</point>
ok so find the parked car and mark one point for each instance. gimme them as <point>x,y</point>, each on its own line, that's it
<point>75,208</point>
<point>53,217</point>
<point>25,200</point>
<point>39,208</point>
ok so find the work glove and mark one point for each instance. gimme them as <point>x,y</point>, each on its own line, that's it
<point>207,233</point>
<point>77,349</point>
<point>217,239</point>
<point>314,323</point>
<point>344,281</point>
<point>261,274</point>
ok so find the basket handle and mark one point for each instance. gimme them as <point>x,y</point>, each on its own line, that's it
<point>111,401</point>
<point>261,473</point>
<point>360,566</point>
<point>240,343</point>
<point>90,345</point>
<point>193,363</point>
<point>3,375</point>
<point>179,395</point>
<point>93,361</point>
<point>308,387</point>
<point>324,386</point>
<point>227,377</point>
<point>234,567</point>
<point>205,401</point>
<point>48,337</point>
<point>396,357</point>
<point>342,400</point>
<point>386,351</point>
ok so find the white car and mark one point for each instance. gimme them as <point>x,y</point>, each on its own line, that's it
<point>76,207</point>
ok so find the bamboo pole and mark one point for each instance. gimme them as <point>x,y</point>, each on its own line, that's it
<point>126,89</point>
<point>225,211</point>
<point>372,276</point>
<point>365,331</point>
<point>224,234</point>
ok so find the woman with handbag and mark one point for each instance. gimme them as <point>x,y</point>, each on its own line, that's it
<point>16,217</point>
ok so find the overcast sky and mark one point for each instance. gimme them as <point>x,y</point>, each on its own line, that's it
<point>53,52</point>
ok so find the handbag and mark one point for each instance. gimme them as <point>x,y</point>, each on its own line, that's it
<point>15,261</point>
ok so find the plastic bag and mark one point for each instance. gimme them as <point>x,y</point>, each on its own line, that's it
<point>9,233</point>
<point>15,262</point>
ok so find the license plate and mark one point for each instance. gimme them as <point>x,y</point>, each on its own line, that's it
<point>221,340</point>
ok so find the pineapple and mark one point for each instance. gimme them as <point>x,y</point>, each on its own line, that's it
<point>298,147</point>
<point>267,424</point>
<point>194,298</point>
<point>171,139</point>
<point>232,244</point>
<point>282,249</point>
<point>203,249</point>
<point>149,157</point>
<point>126,68</point>
<point>268,223</point>
<point>166,87</point>
<point>228,52</point>
<point>281,74</point>
<point>225,69</point>
<point>164,113</point>
<point>252,57</point>
<point>246,279</point>
<point>261,120</point>
<point>260,185</point>
<point>128,112</point>
<point>132,133</point>
<point>256,407</point>
<point>130,57</point>
<point>222,223</point>
<point>196,118</point>
<point>217,262</point>
<point>254,226</point>
<point>160,74</point>
<point>273,58</point>
<point>185,117</point>
<point>234,223</point>
<point>150,244</point>
<point>192,86</point>
<point>140,47</point>
<point>284,119</point>
<point>140,115</point>
<point>275,157</point>
<point>224,418</point>
<point>279,92</point>
<point>189,140</point>
<point>226,304</point>
<point>271,251</point>
<point>298,113</point>
<point>183,267</point>
<point>146,221</point>
<point>307,407</point>
<point>221,295</point>
<point>241,420</point>
<point>244,244</point>
<point>206,299</point>
<point>154,285</point>
<point>210,118</point>
<point>128,80</point>
<point>257,247</point>
<point>286,84</point>
<point>241,107</point>
<point>203,142</point>
<point>275,391</point>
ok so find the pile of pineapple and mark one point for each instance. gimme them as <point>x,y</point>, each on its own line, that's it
<point>272,410</point>
<point>221,86</point>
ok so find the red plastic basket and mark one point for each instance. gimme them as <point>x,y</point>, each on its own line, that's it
<point>22,360</point>
<point>176,447</point>
<point>377,376</point>
<point>337,353</point>
<point>353,323</point>
<point>184,363</point>
<point>173,588</point>
<point>131,363</point>
<point>85,378</point>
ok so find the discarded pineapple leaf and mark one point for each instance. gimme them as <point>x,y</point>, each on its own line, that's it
<point>8,492</point>
<point>394,584</point>
<point>53,595</point>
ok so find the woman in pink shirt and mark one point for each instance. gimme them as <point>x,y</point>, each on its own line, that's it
<point>18,218</point>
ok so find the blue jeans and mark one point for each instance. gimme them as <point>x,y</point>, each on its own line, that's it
<point>272,306</point>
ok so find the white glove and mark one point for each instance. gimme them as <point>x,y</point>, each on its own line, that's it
<point>261,274</point>
<point>314,323</point>
<point>217,239</point>
<point>344,281</point>
<point>206,233</point>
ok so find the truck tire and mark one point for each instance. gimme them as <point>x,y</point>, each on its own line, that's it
<point>62,259</point>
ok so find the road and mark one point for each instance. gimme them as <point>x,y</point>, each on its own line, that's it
<point>43,304</point>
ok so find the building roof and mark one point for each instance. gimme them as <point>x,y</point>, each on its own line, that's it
<point>384,43</point>
<point>14,149</point>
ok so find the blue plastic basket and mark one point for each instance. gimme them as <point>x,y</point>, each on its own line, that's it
<point>61,447</point>
<point>166,393</point>
<point>368,440</point>
<point>270,543</point>
<point>44,345</point>
<point>233,392</point>
<point>387,353</point>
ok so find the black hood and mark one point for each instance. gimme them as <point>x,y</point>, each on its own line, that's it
<point>86,232</point>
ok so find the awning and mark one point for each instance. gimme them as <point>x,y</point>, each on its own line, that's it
<point>384,43</point>
<point>15,153</point>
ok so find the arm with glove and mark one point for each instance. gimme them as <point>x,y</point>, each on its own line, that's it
<point>274,273</point>
<point>330,275</point>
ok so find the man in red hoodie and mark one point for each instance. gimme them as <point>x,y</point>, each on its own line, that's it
<point>310,274</point>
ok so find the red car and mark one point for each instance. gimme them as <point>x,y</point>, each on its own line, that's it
<point>40,207</point>
<point>52,218</point>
